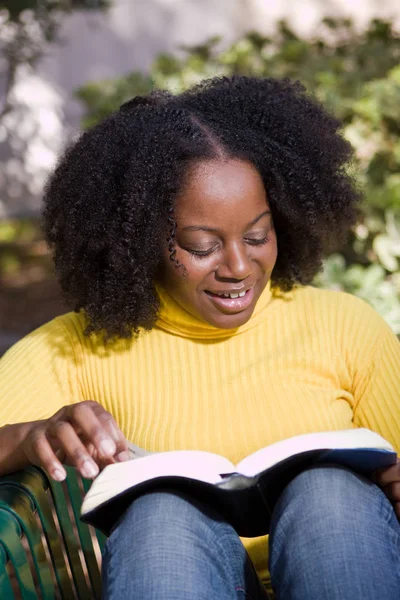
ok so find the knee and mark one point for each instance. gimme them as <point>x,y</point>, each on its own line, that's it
<point>168,545</point>
<point>167,532</point>
<point>327,498</point>
<point>331,525</point>
<point>167,518</point>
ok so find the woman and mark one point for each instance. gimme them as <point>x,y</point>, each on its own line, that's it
<point>185,231</point>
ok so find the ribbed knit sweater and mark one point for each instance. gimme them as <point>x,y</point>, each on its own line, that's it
<point>309,360</point>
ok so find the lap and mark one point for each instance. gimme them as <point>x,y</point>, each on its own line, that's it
<point>170,545</point>
<point>164,529</point>
<point>334,534</point>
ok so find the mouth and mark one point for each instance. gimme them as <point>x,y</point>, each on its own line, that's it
<point>232,302</point>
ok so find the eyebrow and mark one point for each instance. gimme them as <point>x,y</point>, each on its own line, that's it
<point>215,230</point>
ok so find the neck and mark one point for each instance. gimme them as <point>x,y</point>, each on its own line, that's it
<point>176,320</point>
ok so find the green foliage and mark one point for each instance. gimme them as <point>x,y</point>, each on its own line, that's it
<point>357,76</point>
<point>105,96</point>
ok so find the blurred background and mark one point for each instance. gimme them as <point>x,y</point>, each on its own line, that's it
<point>65,64</point>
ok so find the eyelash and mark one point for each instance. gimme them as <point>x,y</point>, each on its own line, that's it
<point>204,253</point>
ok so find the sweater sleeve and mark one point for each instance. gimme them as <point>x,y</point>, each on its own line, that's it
<point>377,384</point>
<point>38,375</point>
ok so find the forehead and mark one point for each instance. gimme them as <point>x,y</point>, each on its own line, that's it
<point>221,190</point>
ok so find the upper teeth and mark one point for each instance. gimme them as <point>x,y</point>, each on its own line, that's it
<point>233,295</point>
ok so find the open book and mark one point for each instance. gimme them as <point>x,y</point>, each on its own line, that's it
<point>246,493</point>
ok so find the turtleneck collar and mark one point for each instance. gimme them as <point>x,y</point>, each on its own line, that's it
<point>176,320</point>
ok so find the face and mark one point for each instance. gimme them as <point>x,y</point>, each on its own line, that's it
<point>225,241</point>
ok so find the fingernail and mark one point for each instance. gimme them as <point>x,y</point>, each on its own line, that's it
<point>107,447</point>
<point>122,456</point>
<point>59,474</point>
<point>89,469</point>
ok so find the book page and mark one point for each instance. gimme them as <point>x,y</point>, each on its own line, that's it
<point>188,463</point>
<point>137,452</point>
<point>344,439</point>
<point>118,477</point>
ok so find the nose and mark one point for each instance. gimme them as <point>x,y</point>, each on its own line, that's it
<point>235,264</point>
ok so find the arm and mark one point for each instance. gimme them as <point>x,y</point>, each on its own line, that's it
<point>84,434</point>
<point>377,388</point>
<point>39,385</point>
<point>12,457</point>
<point>39,375</point>
<point>377,393</point>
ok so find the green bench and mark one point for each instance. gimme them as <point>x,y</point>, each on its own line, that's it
<point>45,551</point>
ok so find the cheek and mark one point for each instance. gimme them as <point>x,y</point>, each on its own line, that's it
<point>265,256</point>
<point>196,270</point>
<point>191,272</point>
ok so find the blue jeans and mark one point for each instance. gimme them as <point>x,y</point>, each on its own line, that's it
<point>334,536</point>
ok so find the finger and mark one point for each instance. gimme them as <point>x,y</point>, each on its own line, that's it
<point>83,417</point>
<point>392,491</point>
<point>40,452</point>
<point>91,450</point>
<point>75,451</point>
<point>101,462</point>
<point>109,424</point>
<point>121,443</point>
<point>104,462</point>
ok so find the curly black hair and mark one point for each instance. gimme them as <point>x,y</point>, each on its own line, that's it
<point>109,206</point>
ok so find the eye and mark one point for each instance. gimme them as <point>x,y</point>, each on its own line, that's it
<point>201,253</point>
<point>257,241</point>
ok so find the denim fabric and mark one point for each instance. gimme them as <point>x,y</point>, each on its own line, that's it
<point>170,547</point>
<point>334,535</point>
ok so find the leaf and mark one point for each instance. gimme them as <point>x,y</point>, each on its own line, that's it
<point>387,251</point>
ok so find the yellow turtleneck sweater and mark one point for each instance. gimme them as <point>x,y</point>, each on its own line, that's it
<point>311,360</point>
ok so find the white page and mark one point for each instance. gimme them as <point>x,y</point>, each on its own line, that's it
<point>116,478</point>
<point>349,438</point>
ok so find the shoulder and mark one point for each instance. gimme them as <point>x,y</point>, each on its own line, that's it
<point>66,334</point>
<point>333,301</point>
<point>70,326</point>
<point>342,313</point>
<point>57,336</point>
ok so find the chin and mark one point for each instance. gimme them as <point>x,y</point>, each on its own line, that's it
<point>231,321</point>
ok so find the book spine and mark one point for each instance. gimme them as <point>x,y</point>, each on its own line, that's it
<point>264,500</point>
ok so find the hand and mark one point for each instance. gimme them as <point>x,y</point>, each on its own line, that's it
<point>389,480</point>
<point>84,435</point>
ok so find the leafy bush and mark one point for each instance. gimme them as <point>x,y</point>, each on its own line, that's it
<point>357,75</point>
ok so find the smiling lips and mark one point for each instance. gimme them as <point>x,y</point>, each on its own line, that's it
<point>229,294</point>
<point>232,302</point>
